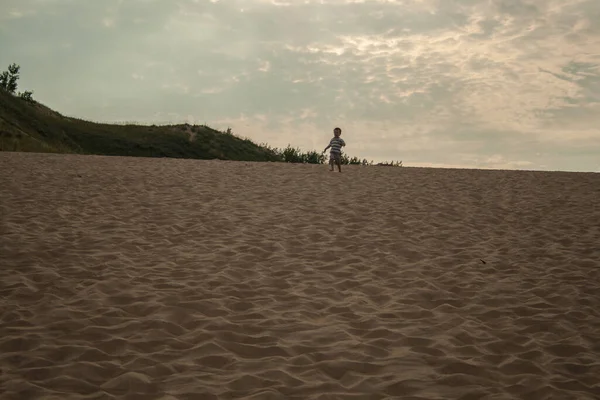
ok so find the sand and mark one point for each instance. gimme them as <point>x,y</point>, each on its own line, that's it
<point>133,278</point>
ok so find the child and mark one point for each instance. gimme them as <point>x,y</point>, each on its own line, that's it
<point>336,144</point>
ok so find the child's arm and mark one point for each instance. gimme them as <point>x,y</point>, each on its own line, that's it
<point>328,146</point>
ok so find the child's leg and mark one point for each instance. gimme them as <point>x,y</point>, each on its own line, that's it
<point>331,160</point>
<point>337,160</point>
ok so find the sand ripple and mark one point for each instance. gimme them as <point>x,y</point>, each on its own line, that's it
<point>180,279</point>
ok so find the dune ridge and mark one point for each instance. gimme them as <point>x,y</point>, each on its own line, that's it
<point>145,278</point>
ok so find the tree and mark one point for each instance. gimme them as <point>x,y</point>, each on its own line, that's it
<point>8,82</point>
<point>8,79</point>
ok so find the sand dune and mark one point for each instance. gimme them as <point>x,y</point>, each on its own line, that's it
<point>180,279</point>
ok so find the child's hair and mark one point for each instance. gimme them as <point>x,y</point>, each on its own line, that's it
<point>337,129</point>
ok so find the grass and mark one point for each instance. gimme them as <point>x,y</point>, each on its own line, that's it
<point>26,126</point>
<point>29,126</point>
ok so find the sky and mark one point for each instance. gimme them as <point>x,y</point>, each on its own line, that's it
<point>503,84</point>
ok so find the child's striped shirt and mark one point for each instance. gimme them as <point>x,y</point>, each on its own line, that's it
<point>336,144</point>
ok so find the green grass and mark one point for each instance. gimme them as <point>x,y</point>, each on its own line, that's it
<point>29,126</point>
<point>32,127</point>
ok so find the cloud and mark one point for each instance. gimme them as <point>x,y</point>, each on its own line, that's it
<point>461,82</point>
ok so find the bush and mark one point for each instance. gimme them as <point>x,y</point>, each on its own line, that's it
<point>390,164</point>
<point>295,155</point>
<point>27,96</point>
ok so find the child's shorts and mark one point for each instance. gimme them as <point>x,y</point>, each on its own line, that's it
<point>335,157</point>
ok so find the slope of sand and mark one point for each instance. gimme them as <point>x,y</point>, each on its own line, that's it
<point>179,279</point>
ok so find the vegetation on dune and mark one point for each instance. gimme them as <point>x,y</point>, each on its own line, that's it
<point>26,125</point>
<point>295,155</point>
<point>8,82</point>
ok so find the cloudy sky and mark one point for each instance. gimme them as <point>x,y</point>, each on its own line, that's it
<point>470,83</point>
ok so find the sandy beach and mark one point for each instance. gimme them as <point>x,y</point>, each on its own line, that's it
<point>139,278</point>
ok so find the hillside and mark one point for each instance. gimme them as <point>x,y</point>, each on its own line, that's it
<point>32,127</point>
